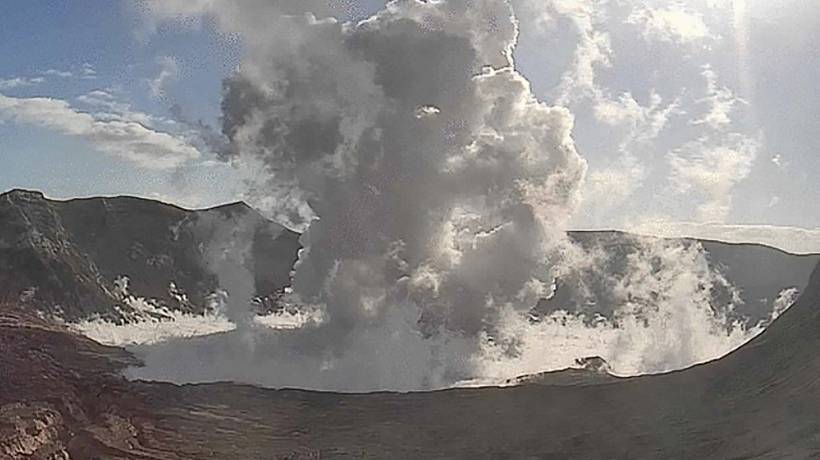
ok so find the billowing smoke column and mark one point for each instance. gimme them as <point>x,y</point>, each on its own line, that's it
<point>438,182</point>
<point>436,190</point>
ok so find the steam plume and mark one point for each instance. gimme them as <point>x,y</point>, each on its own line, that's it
<point>449,214</point>
<point>436,187</point>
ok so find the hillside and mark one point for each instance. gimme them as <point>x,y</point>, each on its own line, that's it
<point>65,258</point>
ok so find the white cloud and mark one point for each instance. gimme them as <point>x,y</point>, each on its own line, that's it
<point>648,72</point>
<point>645,121</point>
<point>18,82</point>
<point>592,46</point>
<point>88,72</point>
<point>712,171</point>
<point>711,166</point>
<point>84,72</point>
<point>97,97</point>
<point>720,99</point>
<point>609,187</point>
<point>107,107</point>
<point>671,24</point>
<point>121,138</point>
<point>168,71</point>
<point>58,73</point>
<point>624,110</point>
<point>594,49</point>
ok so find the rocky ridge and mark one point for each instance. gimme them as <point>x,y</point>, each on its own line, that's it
<point>69,258</point>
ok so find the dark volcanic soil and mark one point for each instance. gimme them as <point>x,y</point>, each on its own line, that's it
<point>60,397</point>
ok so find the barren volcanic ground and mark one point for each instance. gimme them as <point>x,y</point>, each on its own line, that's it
<point>61,397</point>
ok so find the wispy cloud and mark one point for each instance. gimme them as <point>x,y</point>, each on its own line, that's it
<point>84,72</point>
<point>58,73</point>
<point>88,72</point>
<point>720,100</point>
<point>611,186</point>
<point>713,170</point>
<point>673,23</point>
<point>592,52</point>
<point>120,137</point>
<point>168,71</point>
<point>106,106</point>
<point>18,82</point>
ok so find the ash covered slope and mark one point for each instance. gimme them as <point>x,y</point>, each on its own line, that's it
<point>63,257</point>
<point>762,401</point>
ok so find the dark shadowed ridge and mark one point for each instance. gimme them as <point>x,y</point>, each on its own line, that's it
<point>63,257</point>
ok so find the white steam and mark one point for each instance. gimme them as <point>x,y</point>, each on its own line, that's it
<point>437,191</point>
<point>446,217</point>
<point>150,322</point>
<point>155,324</point>
<point>666,318</point>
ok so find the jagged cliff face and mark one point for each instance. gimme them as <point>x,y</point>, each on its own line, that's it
<point>68,258</point>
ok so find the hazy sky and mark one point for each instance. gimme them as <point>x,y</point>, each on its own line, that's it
<point>694,117</point>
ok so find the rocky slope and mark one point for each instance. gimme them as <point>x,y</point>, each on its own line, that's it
<point>60,394</point>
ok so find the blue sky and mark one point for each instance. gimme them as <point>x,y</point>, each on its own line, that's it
<point>40,35</point>
<point>81,46</point>
<point>692,115</point>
